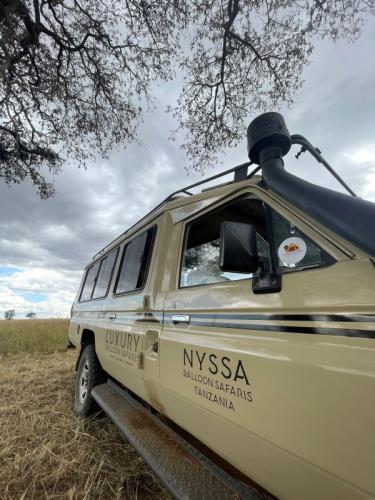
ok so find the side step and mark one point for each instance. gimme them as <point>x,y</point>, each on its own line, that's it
<point>182,469</point>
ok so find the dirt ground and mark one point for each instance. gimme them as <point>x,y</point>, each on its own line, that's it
<point>47,452</point>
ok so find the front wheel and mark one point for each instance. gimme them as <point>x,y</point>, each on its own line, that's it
<point>89,374</point>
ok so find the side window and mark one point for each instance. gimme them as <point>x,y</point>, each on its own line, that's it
<point>89,283</point>
<point>294,249</point>
<point>104,276</point>
<point>134,262</point>
<point>200,260</point>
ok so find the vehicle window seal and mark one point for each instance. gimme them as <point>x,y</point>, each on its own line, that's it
<point>110,279</point>
<point>112,271</point>
<point>84,283</point>
<point>96,277</point>
<point>148,265</point>
<point>271,239</point>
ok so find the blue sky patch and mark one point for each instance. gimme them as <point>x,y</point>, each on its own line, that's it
<point>9,271</point>
<point>34,297</point>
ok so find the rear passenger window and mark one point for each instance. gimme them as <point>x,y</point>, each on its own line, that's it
<point>104,276</point>
<point>134,263</point>
<point>89,282</point>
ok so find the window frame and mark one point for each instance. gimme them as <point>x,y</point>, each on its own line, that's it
<point>84,281</point>
<point>96,278</point>
<point>273,252</point>
<point>111,275</point>
<point>186,231</point>
<point>154,229</point>
<point>306,267</point>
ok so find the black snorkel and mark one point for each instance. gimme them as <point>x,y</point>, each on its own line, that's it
<point>347,215</point>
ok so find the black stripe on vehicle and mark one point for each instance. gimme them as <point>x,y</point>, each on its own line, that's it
<point>148,320</point>
<point>342,318</point>
<point>137,318</point>
<point>215,320</point>
<point>342,332</point>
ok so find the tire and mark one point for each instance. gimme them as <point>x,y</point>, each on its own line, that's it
<point>89,374</point>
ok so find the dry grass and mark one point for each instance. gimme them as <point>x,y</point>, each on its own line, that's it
<point>47,452</point>
<point>33,335</point>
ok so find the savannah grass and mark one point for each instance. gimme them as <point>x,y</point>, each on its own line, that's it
<point>46,452</point>
<point>33,336</point>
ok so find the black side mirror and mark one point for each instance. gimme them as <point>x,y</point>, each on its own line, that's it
<point>238,248</point>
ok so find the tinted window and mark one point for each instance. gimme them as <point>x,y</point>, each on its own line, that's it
<point>200,261</point>
<point>134,263</point>
<point>104,276</point>
<point>89,282</point>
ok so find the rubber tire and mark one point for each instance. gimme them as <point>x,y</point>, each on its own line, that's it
<point>95,376</point>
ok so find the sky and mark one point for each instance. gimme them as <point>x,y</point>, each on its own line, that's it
<point>44,244</point>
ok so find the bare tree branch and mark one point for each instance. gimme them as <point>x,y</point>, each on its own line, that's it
<point>76,75</point>
<point>248,56</point>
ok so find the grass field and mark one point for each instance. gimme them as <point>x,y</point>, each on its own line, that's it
<point>33,336</point>
<point>45,451</point>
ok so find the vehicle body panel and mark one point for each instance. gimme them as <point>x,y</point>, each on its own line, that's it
<point>297,385</point>
<point>281,384</point>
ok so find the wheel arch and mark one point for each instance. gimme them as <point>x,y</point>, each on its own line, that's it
<point>87,338</point>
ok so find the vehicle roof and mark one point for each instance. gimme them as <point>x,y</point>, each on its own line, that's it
<point>211,193</point>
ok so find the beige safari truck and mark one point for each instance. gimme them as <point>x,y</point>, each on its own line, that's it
<point>230,334</point>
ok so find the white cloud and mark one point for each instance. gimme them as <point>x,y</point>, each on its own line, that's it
<point>363,155</point>
<point>49,293</point>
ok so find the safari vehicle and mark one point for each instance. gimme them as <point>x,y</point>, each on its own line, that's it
<point>230,334</point>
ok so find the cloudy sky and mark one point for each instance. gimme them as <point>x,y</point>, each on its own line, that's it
<point>45,244</point>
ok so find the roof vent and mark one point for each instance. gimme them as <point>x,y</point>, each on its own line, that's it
<point>267,130</point>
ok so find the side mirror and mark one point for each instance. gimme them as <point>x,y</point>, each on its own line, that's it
<point>238,248</point>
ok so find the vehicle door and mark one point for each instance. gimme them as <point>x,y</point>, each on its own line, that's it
<point>122,343</point>
<point>266,379</point>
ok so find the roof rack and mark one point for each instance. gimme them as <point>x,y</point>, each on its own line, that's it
<point>240,174</point>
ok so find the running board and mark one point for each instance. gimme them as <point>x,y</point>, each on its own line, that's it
<point>183,470</point>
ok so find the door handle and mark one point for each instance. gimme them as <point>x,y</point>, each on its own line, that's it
<point>112,315</point>
<point>180,318</point>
